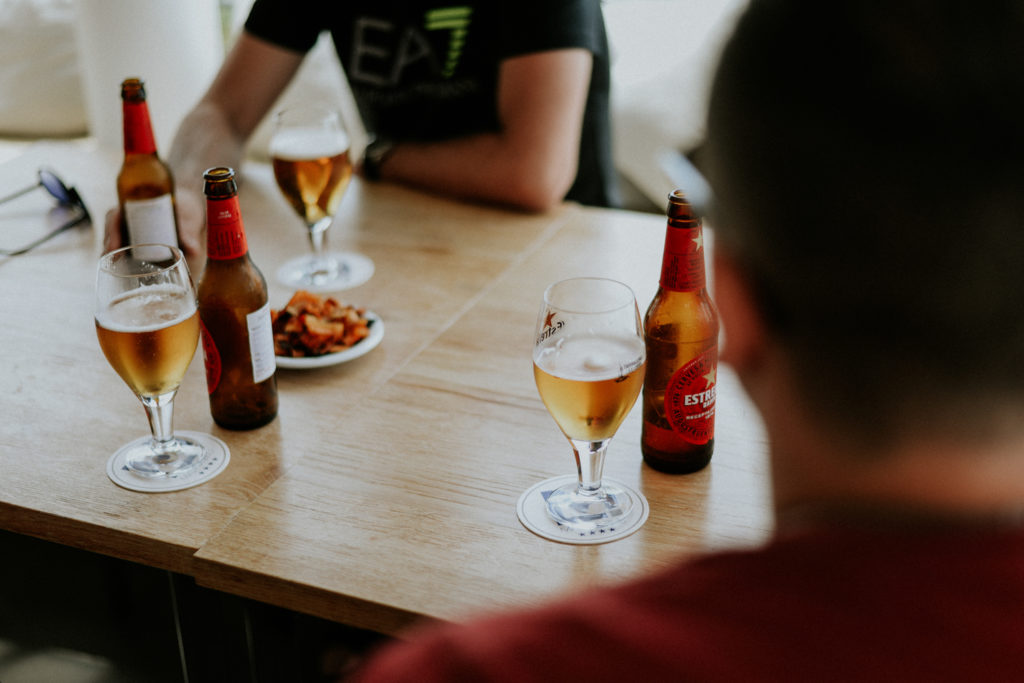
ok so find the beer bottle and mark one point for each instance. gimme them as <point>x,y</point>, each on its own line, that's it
<point>681,334</point>
<point>234,315</point>
<point>145,186</point>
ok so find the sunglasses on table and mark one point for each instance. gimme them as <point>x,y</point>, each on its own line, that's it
<point>67,197</point>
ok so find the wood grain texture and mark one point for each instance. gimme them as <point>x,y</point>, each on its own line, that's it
<point>65,410</point>
<point>384,493</point>
<point>409,513</point>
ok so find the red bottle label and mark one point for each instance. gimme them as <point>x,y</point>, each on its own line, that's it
<point>138,132</point>
<point>690,398</point>
<point>225,233</point>
<point>682,268</point>
<point>211,358</point>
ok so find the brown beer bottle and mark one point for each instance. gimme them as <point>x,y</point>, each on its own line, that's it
<point>681,333</point>
<point>234,315</point>
<point>145,186</point>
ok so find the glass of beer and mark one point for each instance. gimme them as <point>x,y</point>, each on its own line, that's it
<point>312,165</point>
<point>588,363</point>
<point>148,327</point>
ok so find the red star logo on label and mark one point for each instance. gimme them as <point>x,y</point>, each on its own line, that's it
<point>549,320</point>
<point>690,398</point>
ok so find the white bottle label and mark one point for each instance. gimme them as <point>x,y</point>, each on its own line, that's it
<point>261,343</point>
<point>151,221</point>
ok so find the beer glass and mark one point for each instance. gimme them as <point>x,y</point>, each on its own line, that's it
<point>588,363</point>
<point>310,152</point>
<point>148,327</point>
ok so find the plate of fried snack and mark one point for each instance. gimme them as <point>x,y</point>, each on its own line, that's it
<point>313,331</point>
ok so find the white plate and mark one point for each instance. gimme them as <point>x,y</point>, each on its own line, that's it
<point>358,349</point>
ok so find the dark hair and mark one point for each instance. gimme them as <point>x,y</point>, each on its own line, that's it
<point>867,159</point>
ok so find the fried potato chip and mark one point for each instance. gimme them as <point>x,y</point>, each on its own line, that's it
<point>310,325</point>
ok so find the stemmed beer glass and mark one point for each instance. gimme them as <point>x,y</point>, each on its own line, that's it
<point>588,363</point>
<point>313,166</point>
<point>147,323</point>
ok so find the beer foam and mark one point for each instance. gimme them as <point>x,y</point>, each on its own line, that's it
<point>147,309</point>
<point>590,359</point>
<point>299,144</point>
<point>597,361</point>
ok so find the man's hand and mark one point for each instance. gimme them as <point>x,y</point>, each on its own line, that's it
<point>190,212</point>
<point>214,133</point>
<point>190,208</point>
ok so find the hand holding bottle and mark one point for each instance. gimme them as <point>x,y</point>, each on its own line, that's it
<point>149,207</point>
<point>190,211</point>
<point>145,184</point>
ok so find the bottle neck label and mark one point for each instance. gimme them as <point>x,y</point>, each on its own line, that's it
<point>225,234</point>
<point>690,398</point>
<point>138,132</point>
<point>682,267</point>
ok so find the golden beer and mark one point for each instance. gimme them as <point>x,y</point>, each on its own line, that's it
<point>149,336</point>
<point>313,170</point>
<point>589,384</point>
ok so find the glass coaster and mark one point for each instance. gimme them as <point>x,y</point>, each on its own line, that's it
<point>354,269</point>
<point>216,460</point>
<point>533,513</point>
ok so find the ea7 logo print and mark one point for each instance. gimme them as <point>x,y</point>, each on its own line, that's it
<point>455,19</point>
<point>382,50</point>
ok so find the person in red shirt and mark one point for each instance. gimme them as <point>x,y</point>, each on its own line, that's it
<point>867,160</point>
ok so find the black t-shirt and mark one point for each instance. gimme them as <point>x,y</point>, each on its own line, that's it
<point>421,70</point>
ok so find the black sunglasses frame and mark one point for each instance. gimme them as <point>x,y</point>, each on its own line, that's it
<point>66,196</point>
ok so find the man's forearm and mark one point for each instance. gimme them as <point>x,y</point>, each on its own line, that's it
<point>204,139</point>
<point>532,161</point>
<point>486,167</point>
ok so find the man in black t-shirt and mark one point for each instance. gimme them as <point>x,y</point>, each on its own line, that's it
<point>504,103</point>
<point>423,72</point>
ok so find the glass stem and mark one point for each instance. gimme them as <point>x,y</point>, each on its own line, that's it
<point>318,236</point>
<point>160,411</point>
<point>589,464</point>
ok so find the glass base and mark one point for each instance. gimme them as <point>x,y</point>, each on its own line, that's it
<point>332,272</point>
<point>587,525</point>
<point>582,511</point>
<point>182,456</point>
<point>134,466</point>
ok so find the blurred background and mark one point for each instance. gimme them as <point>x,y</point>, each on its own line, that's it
<point>62,62</point>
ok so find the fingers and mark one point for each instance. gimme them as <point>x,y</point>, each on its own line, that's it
<point>112,230</point>
<point>191,216</point>
<point>190,207</point>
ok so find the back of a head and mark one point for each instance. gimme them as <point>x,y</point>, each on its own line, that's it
<point>867,159</point>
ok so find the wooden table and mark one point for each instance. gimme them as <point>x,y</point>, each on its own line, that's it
<point>385,490</point>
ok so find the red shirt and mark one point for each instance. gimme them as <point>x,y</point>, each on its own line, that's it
<point>838,604</point>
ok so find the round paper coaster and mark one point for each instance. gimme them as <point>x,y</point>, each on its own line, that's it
<point>359,269</point>
<point>216,460</point>
<point>533,513</point>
